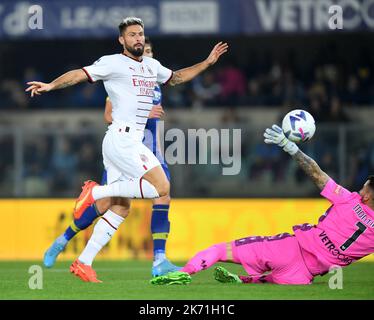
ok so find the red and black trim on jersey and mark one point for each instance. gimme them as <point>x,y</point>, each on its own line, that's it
<point>167,81</point>
<point>89,79</point>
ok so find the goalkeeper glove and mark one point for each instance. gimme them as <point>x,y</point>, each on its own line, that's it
<point>275,135</point>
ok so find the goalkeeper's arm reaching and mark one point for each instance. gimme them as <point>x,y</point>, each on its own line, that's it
<point>275,135</point>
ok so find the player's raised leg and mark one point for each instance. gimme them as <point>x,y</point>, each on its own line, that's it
<point>152,184</point>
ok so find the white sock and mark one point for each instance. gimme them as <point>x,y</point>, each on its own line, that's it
<point>137,188</point>
<point>102,233</point>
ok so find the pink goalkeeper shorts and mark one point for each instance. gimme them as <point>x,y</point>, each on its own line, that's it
<point>280,255</point>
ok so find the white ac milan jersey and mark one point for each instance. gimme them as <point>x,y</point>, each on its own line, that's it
<point>129,84</point>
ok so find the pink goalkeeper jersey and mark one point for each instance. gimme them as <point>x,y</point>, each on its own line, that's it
<point>344,234</point>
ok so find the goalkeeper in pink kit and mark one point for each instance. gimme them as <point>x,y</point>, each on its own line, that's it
<point>344,234</point>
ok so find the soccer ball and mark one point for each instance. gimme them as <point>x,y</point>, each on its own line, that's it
<point>298,126</point>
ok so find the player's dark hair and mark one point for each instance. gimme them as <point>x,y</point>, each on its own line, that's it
<point>147,41</point>
<point>130,21</point>
<point>371,182</point>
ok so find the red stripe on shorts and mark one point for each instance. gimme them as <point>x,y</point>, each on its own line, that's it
<point>141,190</point>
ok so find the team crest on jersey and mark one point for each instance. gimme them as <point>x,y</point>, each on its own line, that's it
<point>143,157</point>
<point>142,69</point>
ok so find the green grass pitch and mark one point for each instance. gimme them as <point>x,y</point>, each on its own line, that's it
<point>130,280</point>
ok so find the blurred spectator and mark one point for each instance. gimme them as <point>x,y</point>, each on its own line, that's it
<point>34,184</point>
<point>317,111</point>
<point>12,95</point>
<point>64,166</point>
<point>37,151</point>
<point>267,163</point>
<point>255,97</point>
<point>6,159</point>
<point>259,81</point>
<point>352,95</point>
<point>176,96</point>
<point>232,82</point>
<point>337,113</point>
<point>89,162</point>
<point>205,89</point>
<point>292,89</point>
<point>87,95</point>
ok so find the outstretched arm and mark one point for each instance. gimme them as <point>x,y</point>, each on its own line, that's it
<point>66,80</point>
<point>187,74</point>
<point>276,136</point>
<point>311,168</point>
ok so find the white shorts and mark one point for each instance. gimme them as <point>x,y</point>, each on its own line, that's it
<point>125,156</point>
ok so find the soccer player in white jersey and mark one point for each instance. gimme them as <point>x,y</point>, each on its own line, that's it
<point>133,171</point>
<point>160,224</point>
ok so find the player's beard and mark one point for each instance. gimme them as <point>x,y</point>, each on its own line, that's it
<point>137,52</point>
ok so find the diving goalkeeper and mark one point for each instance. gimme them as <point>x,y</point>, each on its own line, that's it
<point>344,234</point>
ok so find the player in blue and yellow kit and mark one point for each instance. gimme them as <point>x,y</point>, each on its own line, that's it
<point>160,225</point>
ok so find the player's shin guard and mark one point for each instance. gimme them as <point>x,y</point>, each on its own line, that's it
<point>205,259</point>
<point>136,188</point>
<point>102,233</point>
<point>83,222</point>
<point>160,227</point>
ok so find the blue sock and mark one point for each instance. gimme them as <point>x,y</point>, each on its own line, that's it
<point>160,227</point>
<point>70,232</point>
<point>86,219</point>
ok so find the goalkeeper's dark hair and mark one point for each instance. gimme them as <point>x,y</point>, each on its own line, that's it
<point>130,21</point>
<point>371,182</point>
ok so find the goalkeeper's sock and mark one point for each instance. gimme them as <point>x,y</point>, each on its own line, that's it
<point>85,220</point>
<point>205,259</point>
<point>102,233</point>
<point>136,188</point>
<point>160,227</point>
